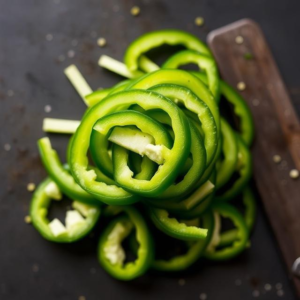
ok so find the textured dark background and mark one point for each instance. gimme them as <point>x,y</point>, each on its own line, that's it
<point>31,76</point>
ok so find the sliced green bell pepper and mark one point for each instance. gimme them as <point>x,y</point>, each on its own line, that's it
<point>205,63</point>
<point>111,254</point>
<point>155,39</point>
<point>86,217</point>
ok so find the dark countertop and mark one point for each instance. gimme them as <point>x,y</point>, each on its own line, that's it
<point>31,76</point>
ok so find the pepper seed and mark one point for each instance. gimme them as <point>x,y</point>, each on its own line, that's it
<point>294,174</point>
<point>135,11</point>
<point>241,86</point>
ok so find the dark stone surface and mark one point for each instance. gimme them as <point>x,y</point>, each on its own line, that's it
<point>32,268</point>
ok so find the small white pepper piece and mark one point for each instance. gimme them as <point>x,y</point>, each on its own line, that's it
<point>101,42</point>
<point>135,11</point>
<point>294,174</point>
<point>30,187</point>
<point>239,39</point>
<point>27,219</point>
<point>199,21</point>
<point>241,86</point>
<point>277,158</point>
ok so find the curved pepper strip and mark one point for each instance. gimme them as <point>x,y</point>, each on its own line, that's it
<point>205,63</point>
<point>196,169</point>
<point>190,202</point>
<point>230,236</point>
<point>188,81</point>
<point>99,143</point>
<point>226,167</point>
<point>173,227</point>
<point>61,175</point>
<point>195,251</point>
<point>227,211</point>
<point>244,168</point>
<point>240,108</point>
<point>154,39</point>
<point>38,212</point>
<point>120,101</point>
<point>110,253</point>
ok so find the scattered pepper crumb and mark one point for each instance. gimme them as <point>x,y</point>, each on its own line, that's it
<point>181,282</point>
<point>248,56</point>
<point>30,187</point>
<point>277,158</point>
<point>241,86</point>
<point>239,39</point>
<point>101,42</point>
<point>48,108</point>
<point>199,21</point>
<point>71,53</point>
<point>7,147</point>
<point>10,93</point>
<point>27,219</point>
<point>135,11</point>
<point>268,287</point>
<point>202,296</point>
<point>81,298</point>
<point>49,37</point>
<point>294,174</point>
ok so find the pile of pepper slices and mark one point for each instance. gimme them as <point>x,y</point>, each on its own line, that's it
<point>153,155</point>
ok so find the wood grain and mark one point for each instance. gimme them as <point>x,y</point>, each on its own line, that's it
<point>277,128</point>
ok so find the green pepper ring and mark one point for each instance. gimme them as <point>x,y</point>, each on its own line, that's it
<point>38,213</point>
<point>120,101</point>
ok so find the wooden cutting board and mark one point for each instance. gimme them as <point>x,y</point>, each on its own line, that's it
<point>248,59</point>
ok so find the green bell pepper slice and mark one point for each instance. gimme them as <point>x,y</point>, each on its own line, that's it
<point>205,63</point>
<point>194,166</point>
<point>194,252</point>
<point>61,175</point>
<point>174,228</point>
<point>151,132</point>
<point>182,78</point>
<point>227,165</point>
<point>230,236</point>
<point>158,38</point>
<point>240,108</point>
<point>165,175</point>
<point>239,244</point>
<point>244,168</point>
<point>110,252</point>
<point>75,229</point>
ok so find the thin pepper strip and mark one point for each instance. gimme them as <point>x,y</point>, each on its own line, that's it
<point>194,252</point>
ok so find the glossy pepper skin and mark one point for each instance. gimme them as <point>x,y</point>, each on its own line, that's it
<point>155,39</point>
<point>99,143</point>
<point>120,101</point>
<point>248,198</point>
<point>205,63</point>
<point>227,165</point>
<point>244,168</point>
<point>239,244</point>
<point>61,175</point>
<point>38,212</point>
<point>203,107</point>
<point>240,108</point>
<point>195,250</point>
<point>130,270</point>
